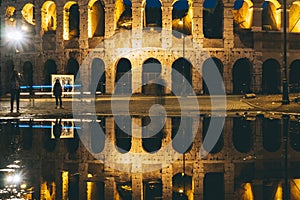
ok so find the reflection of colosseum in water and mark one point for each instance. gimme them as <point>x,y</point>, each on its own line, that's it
<point>247,162</point>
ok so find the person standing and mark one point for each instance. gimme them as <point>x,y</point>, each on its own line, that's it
<point>15,83</point>
<point>57,92</point>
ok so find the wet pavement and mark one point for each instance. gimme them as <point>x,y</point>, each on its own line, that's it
<point>140,105</point>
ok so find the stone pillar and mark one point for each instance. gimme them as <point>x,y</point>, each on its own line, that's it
<point>137,186</point>
<point>83,170</point>
<point>197,25</point>
<point>83,36</point>
<point>228,26</point>
<point>109,185</point>
<point>229,180</point>
<point>59,28</point>
<point>167,25</point>
<point>109,20</point>
<point>257,18</point>
<point>137,24</point>
<point>167,182</point>
<point>198,170</point>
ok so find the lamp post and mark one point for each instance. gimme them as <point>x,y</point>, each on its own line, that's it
<point>285,92</point>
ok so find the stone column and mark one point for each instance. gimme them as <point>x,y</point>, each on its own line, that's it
<point>167,182</point>
<point>228,26</point>
<point>137,24</point>
<point>197,25</point>
<point>83,170</point>
<point>167,25</point>
<point>257,25</point>
<point>137,186</point>
<point>229,180</point>
<point>109,20</point>
<point>59,28</point>
<point>83,36</point>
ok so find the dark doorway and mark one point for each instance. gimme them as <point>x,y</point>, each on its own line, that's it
<point>271,77</point>
<point>182,135</point>
<point>152,189</point>
<point>241,75</point>
<point>72,67</point>
<point>74,21</point>
<point>271,131</point>
<point>123,134</point>
<point>183,69</point>
<point>152,140</point>
<point>295,76</point>
<point>28,74</point>
<point>98,76</point>
<point>206,72</point>
<point>73,192</point>
<point>98,138</point>
<point>214,186</point>
<point>242,135</point>
<point>97,19</point>
<point>151,72</point>
<point>213,19</point>
<point>50,68</point>
<point>153,13</point>
<point>182,186</point>
<point>123,86</point>
<point>220,142</point>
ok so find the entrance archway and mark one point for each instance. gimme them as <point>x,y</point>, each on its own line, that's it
<point>206,65</point>
<point>295,76</point>
<point>151,71</point>
<point>124,71</point>
<point>184,68</point>
<point>271,76</point>
<point>28,73</point>
<point>241,75</point>
<point>50,68</point>
<point>72,67</point>
<point>98,68</point>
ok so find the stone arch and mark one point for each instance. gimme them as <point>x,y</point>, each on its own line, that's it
<point>122,139</point>
<point>71,20</point>
<point>28,13</point>
<point>213,19</point>
<point>151,70</point>
<point>219,144</point>
<point>205,71</point>
<point>243,13</point>
<point>241,76</point>
<point>295,75</point>
<point>271,76</point>
<point>72,67</point>
<point>152,15</point>
<point>182,17</point>
<point>123,71</point>
<point>271,19</point>
<point>295,135</point>
<point>214,186</point>
<point>123,14</point>
<point>184,67</point>
<point>271,132</point>
<point>10,17</point>
<point>98,139</point>
<point>28,73</point>
<point>183,133</point>
<point>50,68</point>
<point>242,136</point>
<point>98,74</point>
<point>182,186</point>
<point>48,15</point>
<point>151,143</point>
<point>96,19</point>
<point>294,17</point>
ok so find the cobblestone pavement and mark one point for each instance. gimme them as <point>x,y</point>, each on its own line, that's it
<point>140,105</point>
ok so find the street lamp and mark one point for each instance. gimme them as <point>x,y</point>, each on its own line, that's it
<point>285,92</point>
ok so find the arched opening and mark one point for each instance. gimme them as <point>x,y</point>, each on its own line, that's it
<point>182,17</point>
<point>123,14</point>
<point>28,73</point>
<point>49,143</point>
<point>152,189</point>
<point>243,14</point>
<point>124,190</point>
<point>241,75</point>
<point>151,71</point>
<point>97,138</point>
<point>182,187</point>
<point>73,186</point>
<point>207,72</point>
<point>213,19</point>
<point>182,134</point>
<point>10,17</point>
<point>123,134</point>
<point>152,139</point>
<point>73,143</point>
<point>242,135</point>
<point>220,142</point>
<point>50,68</point>
<point>213,186</point>
<point>183,69</point>
<point>28,20</point>
<point>71,20</point>
<point>271,131</point>
<point>98,75</point>
<point>271,76</point>
<point>271,15</point>
<point>295,135</point>
<point>294,76</point>
<point>48,15</point>
<point>96,19</point>
<point>124,72</point>
<point>294,17</point>
<point>153,14</point>
<point>72,67</point>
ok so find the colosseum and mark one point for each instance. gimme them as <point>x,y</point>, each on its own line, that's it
<point>106,40</point>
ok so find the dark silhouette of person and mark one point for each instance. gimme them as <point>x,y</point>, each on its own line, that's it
<point>15,83</point>
<point>57,92</point>
<point>57,128</point>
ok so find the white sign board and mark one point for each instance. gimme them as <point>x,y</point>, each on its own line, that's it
<point>66,81</point>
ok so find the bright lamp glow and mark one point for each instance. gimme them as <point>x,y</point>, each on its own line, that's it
<point>14,34</point>
<point>17,178</point>
<point>9,178</point>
